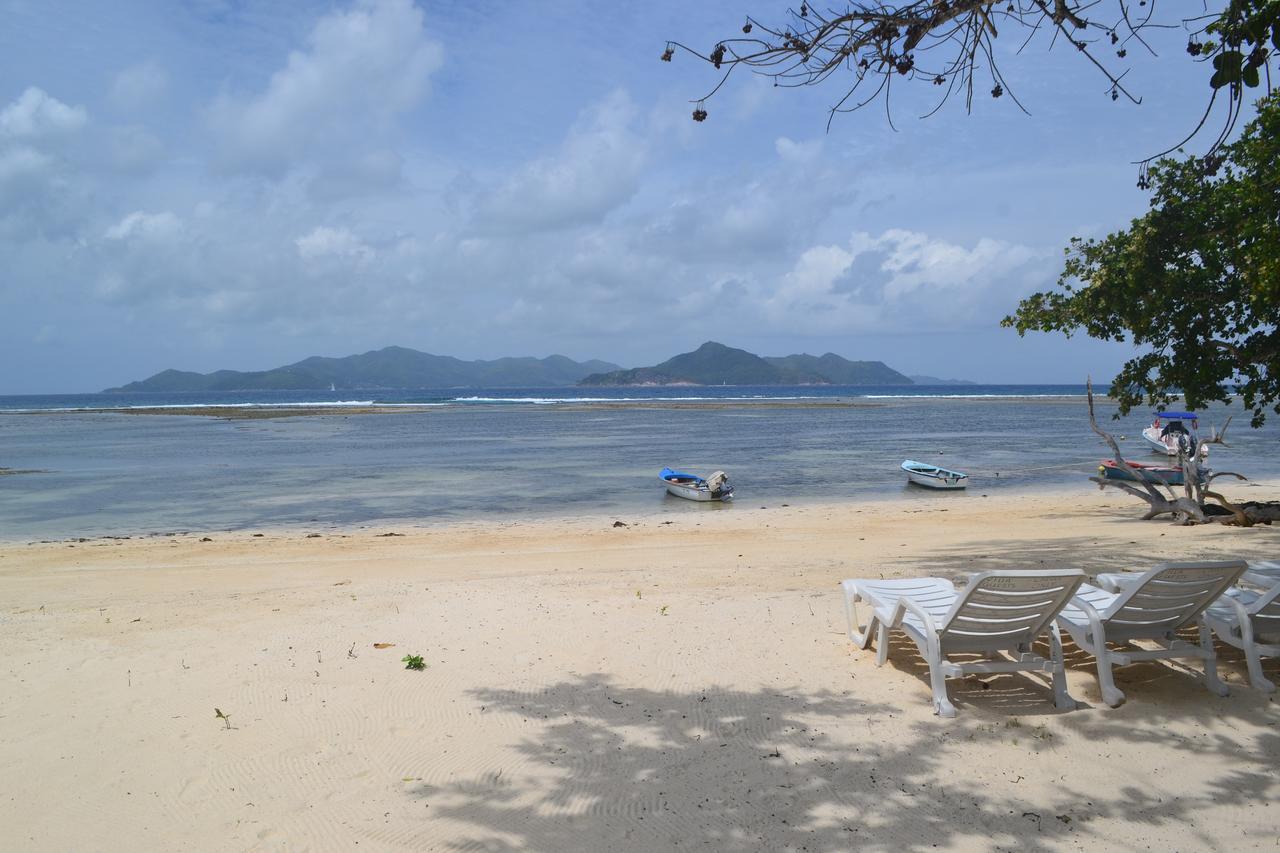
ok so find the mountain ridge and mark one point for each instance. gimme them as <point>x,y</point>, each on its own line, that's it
<point>389,367</point>
<point>714,363</point>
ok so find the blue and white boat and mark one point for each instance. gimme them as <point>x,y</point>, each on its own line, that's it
<point>933,477</point>
<point>692,487</point>
<point>1171,430</point>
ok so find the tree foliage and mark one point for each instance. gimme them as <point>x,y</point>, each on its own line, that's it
<point>1195,281</point>
<point>869,47</point>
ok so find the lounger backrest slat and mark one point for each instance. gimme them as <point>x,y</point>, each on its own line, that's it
<point>1008,608</point>
<point>1171,595</point>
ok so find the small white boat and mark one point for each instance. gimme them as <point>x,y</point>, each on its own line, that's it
<point>933,477</point>
<point>692,487</point>
<point>1169,431</point>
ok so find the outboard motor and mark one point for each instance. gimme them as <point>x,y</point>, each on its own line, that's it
<point>719,485</point>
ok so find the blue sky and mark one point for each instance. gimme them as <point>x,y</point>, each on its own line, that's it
<point>217,184</point>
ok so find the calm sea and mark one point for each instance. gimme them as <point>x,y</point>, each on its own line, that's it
<point>480,452</point>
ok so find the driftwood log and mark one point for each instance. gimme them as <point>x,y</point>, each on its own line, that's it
<point>1189,507</point>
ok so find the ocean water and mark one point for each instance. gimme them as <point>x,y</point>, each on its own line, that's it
<point>95,469</point>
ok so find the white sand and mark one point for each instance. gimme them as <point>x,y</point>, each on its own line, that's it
<point>589,688</point>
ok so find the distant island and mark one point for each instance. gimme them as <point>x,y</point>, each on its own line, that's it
<point>400,367</point>
<point>390,367</point>
<point>716,364</point>
<point>933,380</point>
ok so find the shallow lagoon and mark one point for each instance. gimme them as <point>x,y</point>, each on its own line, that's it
<point>112,473</point>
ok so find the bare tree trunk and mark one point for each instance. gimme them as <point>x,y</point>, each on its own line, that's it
<point>1185,510</point>
<point>1188,509</point>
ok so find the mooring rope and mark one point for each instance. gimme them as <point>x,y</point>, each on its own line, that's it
<point>1002,474</point>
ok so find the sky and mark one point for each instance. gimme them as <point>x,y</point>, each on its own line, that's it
<point>220,184</point>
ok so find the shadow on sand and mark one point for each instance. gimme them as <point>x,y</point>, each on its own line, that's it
<point>612,767</point>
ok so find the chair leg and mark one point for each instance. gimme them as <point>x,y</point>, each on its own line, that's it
<point>1256,678</point>
<point>859,635</point>
<point>938,682</point>
<point>1211,679</point>
<point>882,644</point>
<point>1111,694</point>
<point>1061,698</point>
<point>1253,658</point>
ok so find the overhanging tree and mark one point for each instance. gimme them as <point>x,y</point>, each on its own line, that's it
<point>866,48</point>
<point>1195,281</point>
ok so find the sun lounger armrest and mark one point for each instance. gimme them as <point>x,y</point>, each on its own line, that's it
<point>1095,619</point>
<point>906,605</point>
<point>1116,581</point>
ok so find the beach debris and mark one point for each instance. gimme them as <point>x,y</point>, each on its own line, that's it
<point>662,611</point>
<point>390,534</point>
<point>226,718</point>
<point>205,539</point>
<point>383,645</point>
<point>414,662</point>
<point>639,594</point>
<point>351,652</point>
<point>619,524</point>
<point>313,535</point>
<point>342,583</point>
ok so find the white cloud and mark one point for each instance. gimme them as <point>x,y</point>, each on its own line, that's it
<point>35,113</point>
<point>798,152</point>
<point>325,242</point>
<point>596,169</point>
<point>133,150</point>
<point>138,87</point>
<point>139,225</point>
<point>901,280</point>
<point>21,162</point>
<point>361,69</point>
<point>362,174</point>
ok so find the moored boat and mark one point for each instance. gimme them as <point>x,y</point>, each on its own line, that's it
<point>933,477</point>
<point>1171,431</point>
<point>692,487</point>
<point>1172,476</point>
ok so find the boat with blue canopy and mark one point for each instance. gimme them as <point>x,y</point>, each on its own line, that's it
<point>1171,432</point>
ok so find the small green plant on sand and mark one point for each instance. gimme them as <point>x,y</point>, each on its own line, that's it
<point>663,610</point>
<point>414,662</point>
<point>226,718</point>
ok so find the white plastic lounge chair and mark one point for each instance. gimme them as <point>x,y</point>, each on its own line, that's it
<point>1264,573</point>
<point>1152,605</point>
<point>1250,621</point>
<point>1003,611</point>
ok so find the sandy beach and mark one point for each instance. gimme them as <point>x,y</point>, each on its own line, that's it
<point>651,685</point>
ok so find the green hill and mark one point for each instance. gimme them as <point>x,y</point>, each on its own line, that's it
<point>391,367</point>
<point>841,371</point>
<point>716,364</point>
